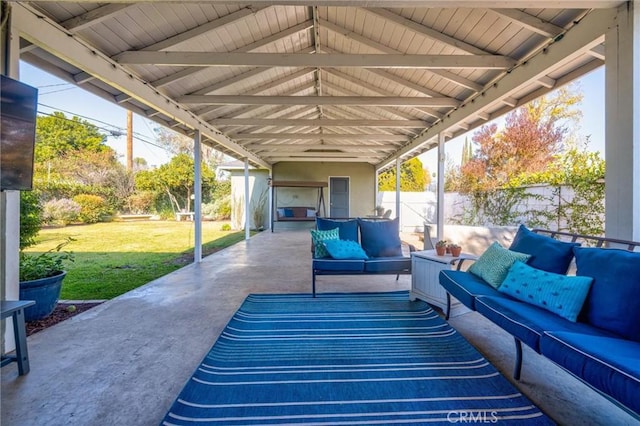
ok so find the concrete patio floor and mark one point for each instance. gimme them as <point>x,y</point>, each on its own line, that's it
<point>125,361</point>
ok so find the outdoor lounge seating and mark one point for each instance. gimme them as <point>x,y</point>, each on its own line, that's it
<point>296,214</point>
<point>599,341</point>
<point>362,247</point>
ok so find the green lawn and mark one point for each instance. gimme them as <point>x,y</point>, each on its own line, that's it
<point>113,258</point>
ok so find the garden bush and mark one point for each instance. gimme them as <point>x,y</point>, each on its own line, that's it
<point>92,208</point>
<point>62,211</point>
<point>141,202</point>
<point>30,218</point>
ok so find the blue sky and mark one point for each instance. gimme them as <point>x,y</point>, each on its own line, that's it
<point>57,95</point>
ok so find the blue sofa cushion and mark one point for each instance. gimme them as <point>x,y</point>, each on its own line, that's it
<point>380,238</point>
<point>319,237</point>
<point>288,212</point>
<point>493,265</point>
<point>465,287</point>
<point>348,228</point>
<point>546,253</point>
<point>609,364</point>
<point>336,265</point>
<point>528,322</point>
<point>345,249</point>
<point>614,300</point>
<point>388,264</point>
<point>560,294</point>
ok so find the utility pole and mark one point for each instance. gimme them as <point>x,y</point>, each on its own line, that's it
<point>129,141</point>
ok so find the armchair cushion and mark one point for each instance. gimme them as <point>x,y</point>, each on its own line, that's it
<point>348,228</point>
<point>493,265</point>
<point>319,237</point>
<point>344,249</point>
<point>381,238</point>
<point>614,300</point>
<point>561,294</point>
<point>546,253</point>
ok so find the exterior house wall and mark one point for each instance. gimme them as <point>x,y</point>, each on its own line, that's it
<point>362,181</point>
<point>258,198</point>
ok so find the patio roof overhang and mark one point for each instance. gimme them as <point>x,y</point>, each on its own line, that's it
<point>357,81</point>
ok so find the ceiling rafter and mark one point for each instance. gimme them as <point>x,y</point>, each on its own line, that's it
<point>360,83</point>
<point>279,122</point>
<point>401,101</point>
<point>303,26</point>
<point>447,75</point>
<point>206,59</point>
<point>94,16</point>
<point>530,22</point>
<point>314,136</point>
<point>427,32</point>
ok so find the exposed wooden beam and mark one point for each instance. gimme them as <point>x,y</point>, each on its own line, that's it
<point>319,100</point>
<point>427,32</point>
<point>296,154</point>
<point>315,136</point>
<point>321,158</point>
<point>208,59</point>
<point>547,81</point>
<point>316,146</point>
<point>530,22</point>
<point>303,26</point>
<point>94,16</point>
<point>203,29</point>
<point>321,122</point>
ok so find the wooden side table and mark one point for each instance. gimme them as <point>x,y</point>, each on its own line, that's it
<point>15,309</point>
<point>425,285</point>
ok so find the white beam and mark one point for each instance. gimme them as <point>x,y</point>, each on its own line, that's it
<point>580,39</point>
<point>316,146</point>
<point>483,4</point>
<point>317,122</point>
<point>530,22</point>
<point>40,31</point>
<point>94,16</point>
<point>299,154</point>
<point>315,136</point>
<point>203,29</point>
<point>206,59</point>
<point>197,202</point>
<point>321,158</point>
<point>398,179</point>
<point>247,199</point>
<point>318,100</point>
<point>440,195</point>
<point>547,82</point>
<point>598,52</point>
<point>427,32</point>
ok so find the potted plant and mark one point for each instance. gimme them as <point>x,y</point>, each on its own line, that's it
<point>455,250</point>
<point>41,274</point>
<point>441,247</point>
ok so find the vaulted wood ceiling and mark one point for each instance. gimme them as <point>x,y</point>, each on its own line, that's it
<point>313,81</point>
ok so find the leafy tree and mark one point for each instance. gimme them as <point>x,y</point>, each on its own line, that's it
<point>176,180</point>
<point>57,135</point>
<point>178,143</point>
<point>532,135</point>
<point>414,177</point>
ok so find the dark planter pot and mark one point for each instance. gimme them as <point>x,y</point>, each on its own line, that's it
<point>45,291</point>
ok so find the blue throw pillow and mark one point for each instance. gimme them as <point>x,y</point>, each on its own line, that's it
<point>613,303</point>
<point>546,253</point>
<point>348,228</point>
<point>380,238</point>
<point>345,249</point>
<point>493,265</point>
<point>561,294</point>
<point>319,237</point>
<point>288,212</point>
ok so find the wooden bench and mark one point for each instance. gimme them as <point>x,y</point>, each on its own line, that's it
<point>186,215</point>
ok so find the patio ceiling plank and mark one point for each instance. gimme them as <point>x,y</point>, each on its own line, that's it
<point>94,16</point>
<point>207,59</point>
<point>318,122</point>
<point>314,136</point>
<point>319,100</point>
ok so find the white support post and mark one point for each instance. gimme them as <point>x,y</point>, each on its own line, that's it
<point>270,194</point>
<point>622,121</point>
<point>440,205</point>
<point>247,199</point>
<point>10,205</point>
<point>197,192</point>
<point>398,164</point>
<point>376,191</point>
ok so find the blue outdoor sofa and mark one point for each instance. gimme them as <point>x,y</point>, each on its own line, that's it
<point>358,247</point>
<point>594,333</point>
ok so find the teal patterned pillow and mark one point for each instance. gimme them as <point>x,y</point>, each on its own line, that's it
<point>318,237</point>
<point>493,265</point>
<point>345,249</point>
<point>560,294</point>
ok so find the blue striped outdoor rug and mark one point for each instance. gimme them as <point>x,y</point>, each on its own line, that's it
<point>345,359</point>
